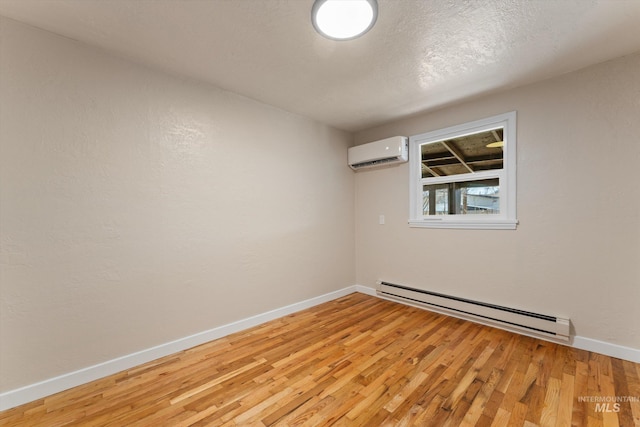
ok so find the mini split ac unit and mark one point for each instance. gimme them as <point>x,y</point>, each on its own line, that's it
<point>379,153</point>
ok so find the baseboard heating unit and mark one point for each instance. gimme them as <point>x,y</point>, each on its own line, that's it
<point>525,322</point>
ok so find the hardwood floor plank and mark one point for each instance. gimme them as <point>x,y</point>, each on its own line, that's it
<point>502,418</point>
<point>580,413</point>
<point>633,381</point>
<point>518,415</point>
<point>216,381</point>
<point>621,389</point>
<point>551,401</point>
<point>565,402</point>
<point>479,403</point>
<point>610,414</point>
<point>354,361</point>
<point>493,404</point>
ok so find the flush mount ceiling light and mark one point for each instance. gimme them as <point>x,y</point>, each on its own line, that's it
<point>496,144</point>
<point>343,19</point>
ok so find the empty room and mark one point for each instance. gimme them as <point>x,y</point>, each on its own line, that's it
<point>319,212</point>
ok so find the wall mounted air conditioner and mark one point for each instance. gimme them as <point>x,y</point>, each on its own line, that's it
<point>379,153</point>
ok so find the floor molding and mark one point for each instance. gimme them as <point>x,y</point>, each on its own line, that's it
<point>341,362</point>
<point>608,349</point>
<point>366,290</point>
<point>20,396</point>
<point>51,386</point>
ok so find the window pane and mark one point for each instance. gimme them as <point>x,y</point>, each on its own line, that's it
<point>461,172</point>
<point>477,197</point>
<point>465,154</point>
<point>442,201</point>
<point>435,199</point>
<point>462,198</point>
<point>425,200</point>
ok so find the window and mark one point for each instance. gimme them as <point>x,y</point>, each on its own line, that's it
<point>465,176</point>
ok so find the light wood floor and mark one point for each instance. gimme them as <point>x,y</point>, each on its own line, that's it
<point>356,361</point>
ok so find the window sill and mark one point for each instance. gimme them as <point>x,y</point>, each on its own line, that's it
<point>471,224</point>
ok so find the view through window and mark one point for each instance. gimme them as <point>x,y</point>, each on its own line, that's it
<point>460,156</point>
<point>465,172</point>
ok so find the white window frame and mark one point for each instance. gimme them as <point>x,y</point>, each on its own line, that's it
<point>506,219</point>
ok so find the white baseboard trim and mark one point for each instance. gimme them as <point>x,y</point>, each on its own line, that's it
<point>366,290</point>
<point>20,396</point>
<point>608,349</point>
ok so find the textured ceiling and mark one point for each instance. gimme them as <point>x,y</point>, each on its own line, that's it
<point>421,55</point>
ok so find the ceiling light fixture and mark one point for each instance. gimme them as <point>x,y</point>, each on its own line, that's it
<point>496,144</point>
<point>343,19</point>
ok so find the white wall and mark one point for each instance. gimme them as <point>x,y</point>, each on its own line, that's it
<point>137,208</point>
<point>576,252</point>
